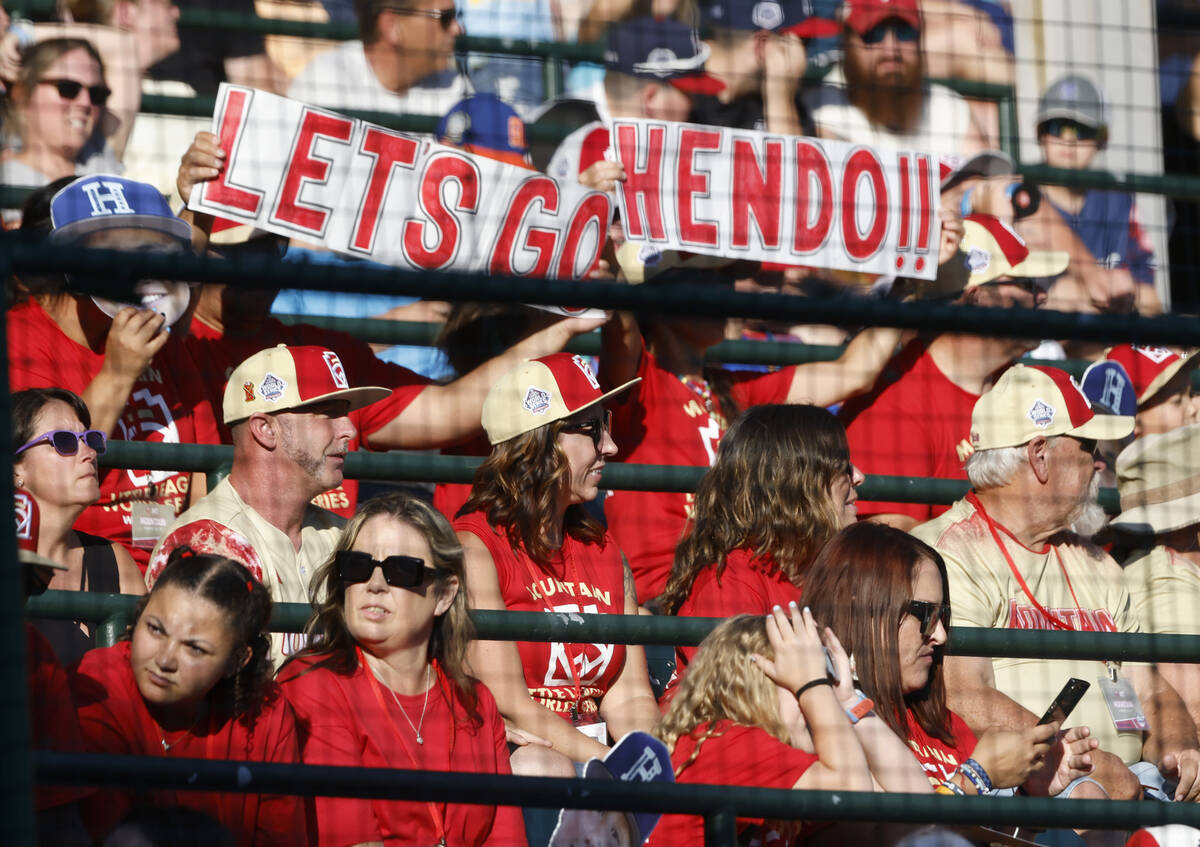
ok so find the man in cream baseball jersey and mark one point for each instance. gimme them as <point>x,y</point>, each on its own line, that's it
<point>287,409</point>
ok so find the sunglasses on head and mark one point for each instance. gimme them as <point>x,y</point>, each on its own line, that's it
<point>68,89</point>
<point>66,443</point>
<point>596,427</point>
<point>444,17</point>
<point>928,614</point>
<point>902,30</point>
<point>398,571</point>
<point>1058,127</point>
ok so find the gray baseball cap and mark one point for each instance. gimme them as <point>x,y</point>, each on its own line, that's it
<point>1075,98</point>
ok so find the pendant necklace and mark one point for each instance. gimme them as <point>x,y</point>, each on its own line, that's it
<point>162,736</point>
<point>416,728</point>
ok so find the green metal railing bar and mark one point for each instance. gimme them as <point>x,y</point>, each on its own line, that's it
<point>674,631</point>
<point>667,299</point>
<point>540,792</point>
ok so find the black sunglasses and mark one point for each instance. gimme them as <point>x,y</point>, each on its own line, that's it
<point>445,17</point>
<point>66,443</point>
<point>903,31</point>
<point>596,427</point>
<point>398,571</point>
<point>929,614</point>
<point>68,89</point>
<point>1058,126</point>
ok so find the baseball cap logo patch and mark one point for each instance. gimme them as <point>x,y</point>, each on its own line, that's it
<point>24,512</point>
<point>248,387</point>
<point>272,387</point>
<point>767,15</point>
<point>103,193</point>
<point>335,369</point>
<point>1041,414</point>
<point>536,401</point>
<point>586,369</point>
<point>1157,355</point>
<point>978,259</point>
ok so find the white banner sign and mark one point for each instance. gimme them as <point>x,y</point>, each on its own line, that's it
<point>393,197</point>
<point>772,198</point>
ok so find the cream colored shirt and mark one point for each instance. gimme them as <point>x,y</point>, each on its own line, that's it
<point>1166,591</point>
<point>222,523</point>
<point>1086,591</point>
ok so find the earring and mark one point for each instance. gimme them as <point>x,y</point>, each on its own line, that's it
<point>20,482</point>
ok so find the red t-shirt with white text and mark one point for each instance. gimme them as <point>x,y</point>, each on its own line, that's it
<point>660,421</point>
<point>588,579</point>
<point>343,723</point>
<point>914,422</point>
<point>114,720</point>
<point>939,759</point>
<point>219,354</point>
<point>735,755</point>
<point>169,403</point>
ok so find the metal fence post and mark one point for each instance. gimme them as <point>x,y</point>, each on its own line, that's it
<point>16,777</point>
<point>720,828</point>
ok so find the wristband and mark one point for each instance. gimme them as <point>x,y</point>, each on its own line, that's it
<point>860,709</point>
<point>977,776</point>
<point>813,683</point>
<point>948,787</point>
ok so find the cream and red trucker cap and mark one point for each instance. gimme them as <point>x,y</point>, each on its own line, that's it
<point>539,391</point>
<point>1149,368</point>
<point>281,378</point>
<point>994,250</point>
<point>1032,400</point>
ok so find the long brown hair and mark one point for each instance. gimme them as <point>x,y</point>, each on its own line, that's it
<point>768,490</point>
<point>722,684</point>
<point>860,585</point>
<point>518,488</point>
<point>36,60</point>
<point>329,639</point>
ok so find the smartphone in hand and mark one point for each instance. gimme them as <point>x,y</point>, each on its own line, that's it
<point>1066,700</point>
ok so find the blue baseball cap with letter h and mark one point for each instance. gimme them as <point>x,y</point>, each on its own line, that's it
<point>106,201</point>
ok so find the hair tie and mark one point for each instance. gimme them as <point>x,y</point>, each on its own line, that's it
<point>250,586</point>
<point>186,552</point>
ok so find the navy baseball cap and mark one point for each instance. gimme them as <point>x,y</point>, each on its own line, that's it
<point>638,757</point>
<point>804,18</point>
<point>106,201</point>
<point>1107,385</point>
<point>485,124</point>
<point>663,50</point>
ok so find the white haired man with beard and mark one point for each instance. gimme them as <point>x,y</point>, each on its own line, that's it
<point>1018,556</point>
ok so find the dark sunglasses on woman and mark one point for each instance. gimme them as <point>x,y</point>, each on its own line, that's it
<point>68,89</point>
<point>596,427</point>
<point>928,614</point>
<point>66,443</point>
<point>398,571</point>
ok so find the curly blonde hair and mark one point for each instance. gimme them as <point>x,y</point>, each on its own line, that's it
<point>518,488</point>
<point>722,684</point>
<point>768,490</point>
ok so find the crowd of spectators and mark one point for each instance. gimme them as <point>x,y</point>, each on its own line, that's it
<point>831,669</point>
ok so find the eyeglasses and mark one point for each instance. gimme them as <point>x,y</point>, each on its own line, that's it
<point>398,571</point>
<point>445,17</point>
<point>596,427</point>
<point>902,30</point>
<point>929,614</point>
<point>1087,445</point>
<point>1058,127</point>
<point>68,89</point>
<point>66,443</point>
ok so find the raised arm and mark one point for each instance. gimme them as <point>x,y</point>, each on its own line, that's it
<point>498,665</point>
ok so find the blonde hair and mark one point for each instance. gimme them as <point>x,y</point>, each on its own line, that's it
<point>722,684</point>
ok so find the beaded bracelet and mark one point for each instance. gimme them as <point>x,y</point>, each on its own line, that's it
<point>948,787</point>
<point>978,777</point>
<point>813,683</point>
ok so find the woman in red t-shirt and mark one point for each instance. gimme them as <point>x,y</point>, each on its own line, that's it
<point>532,546</point>
<point>756,708</point>
<point>886,592</point>
<point>385,682</point>
<point>781,486</point>
<point>193,681</point>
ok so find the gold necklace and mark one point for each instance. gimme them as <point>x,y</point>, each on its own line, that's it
<point>162,736</point>
<point>416,728</point>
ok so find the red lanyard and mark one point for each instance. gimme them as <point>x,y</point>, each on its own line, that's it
<point>439,824</point>
<point>533,575</point>
<point>1012,566</point>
